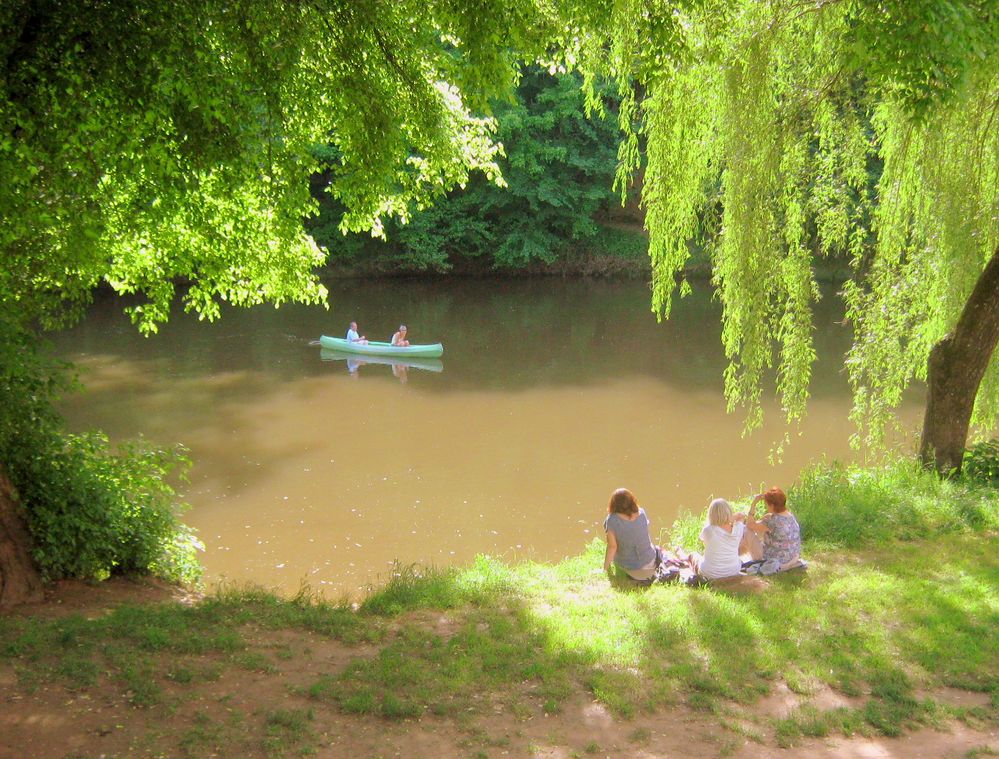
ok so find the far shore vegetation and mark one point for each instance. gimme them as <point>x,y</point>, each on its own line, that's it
<point>901,600</point>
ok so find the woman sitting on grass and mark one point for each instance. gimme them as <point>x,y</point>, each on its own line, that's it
<point>780,547</point>
<point>629,545</point>
<point>723,542</point>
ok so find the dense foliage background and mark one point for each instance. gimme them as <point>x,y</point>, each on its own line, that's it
<point>553,204</point>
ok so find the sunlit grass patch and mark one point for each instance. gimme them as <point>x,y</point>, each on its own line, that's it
<point>418,670</point>
<point>840,626</point>
<point>233,606</point>
<point>413,587</point>
<point>851,506</point>
<point>619,690</point>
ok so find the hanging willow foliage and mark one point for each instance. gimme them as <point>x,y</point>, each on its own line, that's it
<point>786,131</point>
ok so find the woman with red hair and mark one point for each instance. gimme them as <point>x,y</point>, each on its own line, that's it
<point>775,539</point>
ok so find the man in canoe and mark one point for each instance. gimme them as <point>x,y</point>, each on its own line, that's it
<point>399,338</point>
<point>353,337</point>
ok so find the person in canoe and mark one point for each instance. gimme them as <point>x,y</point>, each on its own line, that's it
<point>353,337</point>
<point>399,338</point>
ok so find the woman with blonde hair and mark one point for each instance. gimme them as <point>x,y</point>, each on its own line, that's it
<point>723,538</point>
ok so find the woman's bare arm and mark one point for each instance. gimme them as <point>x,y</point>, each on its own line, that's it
<point>611,550</point>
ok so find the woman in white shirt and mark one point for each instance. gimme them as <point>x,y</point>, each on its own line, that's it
<point>723,538</point>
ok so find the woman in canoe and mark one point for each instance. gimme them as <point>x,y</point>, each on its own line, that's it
<point>399,338</point>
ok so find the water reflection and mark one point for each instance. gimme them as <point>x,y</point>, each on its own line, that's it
<point>399,365</point>
<point>555,393</point>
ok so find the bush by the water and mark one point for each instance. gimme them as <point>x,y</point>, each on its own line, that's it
<point>92,510</point>
<point>852,506</point>
<point>981,463</point>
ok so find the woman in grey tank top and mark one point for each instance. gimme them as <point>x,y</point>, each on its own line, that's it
<point>629,545</point>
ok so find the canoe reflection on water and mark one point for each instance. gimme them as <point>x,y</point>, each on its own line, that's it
<point>399,364</point>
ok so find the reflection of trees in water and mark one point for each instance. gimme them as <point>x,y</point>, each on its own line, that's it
<point>498,334</point>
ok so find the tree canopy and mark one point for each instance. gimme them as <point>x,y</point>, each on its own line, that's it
<point>557,175</point>
<point>145,142</point>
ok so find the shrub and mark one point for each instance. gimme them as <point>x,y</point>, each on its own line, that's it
<point>981,463</point>
<point>92,510</point>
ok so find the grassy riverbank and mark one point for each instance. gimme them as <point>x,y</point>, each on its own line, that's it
<point>898,610</point>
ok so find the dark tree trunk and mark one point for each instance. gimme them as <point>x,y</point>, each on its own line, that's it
<point>19,578</point>
<point>956,367</point>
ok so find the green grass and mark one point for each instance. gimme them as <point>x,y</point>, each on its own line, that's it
<point>872,624</point>
<point>203,738</point>
<point>287,731</point>
<point>129,644</point>
<point>902,596</point>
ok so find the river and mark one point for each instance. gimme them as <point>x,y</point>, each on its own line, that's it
<point>550,394</point>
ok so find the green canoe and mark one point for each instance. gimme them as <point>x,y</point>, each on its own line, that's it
<point>372,348</point>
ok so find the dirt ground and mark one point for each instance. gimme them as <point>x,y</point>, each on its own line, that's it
<point>229,716</point>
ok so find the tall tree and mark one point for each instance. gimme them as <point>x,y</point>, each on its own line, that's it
<point>796,129</point>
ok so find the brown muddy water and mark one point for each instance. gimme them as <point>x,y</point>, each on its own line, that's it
<point>550,394</point>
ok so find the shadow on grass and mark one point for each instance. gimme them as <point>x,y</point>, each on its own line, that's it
<point>863,629</point>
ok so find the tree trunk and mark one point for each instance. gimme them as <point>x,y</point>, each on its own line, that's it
<point>956,367</point>
<point>19,578</point>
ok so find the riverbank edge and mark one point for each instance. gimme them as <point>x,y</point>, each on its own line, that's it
<point>621,251</point>
<point>566,267</point>
<point>518,643</point>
